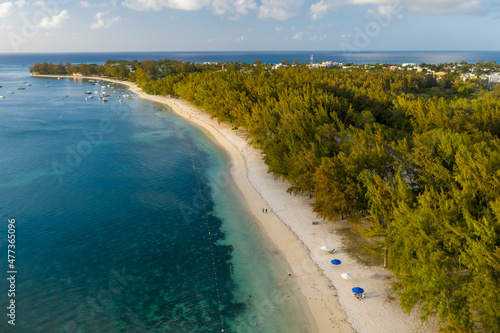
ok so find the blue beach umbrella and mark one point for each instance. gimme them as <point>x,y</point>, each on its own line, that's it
<point>336,262</point>
<point>358,290</point>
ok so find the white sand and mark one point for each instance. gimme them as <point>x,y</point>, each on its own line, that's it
<point>331,306</point>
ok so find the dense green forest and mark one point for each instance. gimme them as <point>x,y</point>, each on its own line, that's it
<point>412,160</point>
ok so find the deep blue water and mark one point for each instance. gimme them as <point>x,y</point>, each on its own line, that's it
<point>126,220</point>
<point>393,57</point>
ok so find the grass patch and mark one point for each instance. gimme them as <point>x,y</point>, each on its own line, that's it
<point>354,245</point>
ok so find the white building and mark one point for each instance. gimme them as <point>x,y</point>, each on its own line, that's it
<point>327,64</point>
<point>468,76</point>
<point>494,78</point>
<point>278,66</point>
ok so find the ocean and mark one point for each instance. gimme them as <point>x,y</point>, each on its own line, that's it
<point>272,57</point>
<point>125,220</point>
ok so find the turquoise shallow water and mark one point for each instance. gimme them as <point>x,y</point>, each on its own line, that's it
<point>126,220</point>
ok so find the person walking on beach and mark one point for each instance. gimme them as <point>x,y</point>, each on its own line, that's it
<point>266,210</point>
<point>289,274</point>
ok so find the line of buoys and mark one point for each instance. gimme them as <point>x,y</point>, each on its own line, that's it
<point>208,228</point>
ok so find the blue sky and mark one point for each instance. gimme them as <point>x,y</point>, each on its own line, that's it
<point>248,25</point>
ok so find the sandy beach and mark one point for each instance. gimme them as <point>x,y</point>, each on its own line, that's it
<point>331,306</point>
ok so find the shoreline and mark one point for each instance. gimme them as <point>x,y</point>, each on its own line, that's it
<point>328,298</point>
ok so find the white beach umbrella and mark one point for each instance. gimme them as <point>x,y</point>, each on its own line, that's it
<point>346,276</point>
<point>325,248</point>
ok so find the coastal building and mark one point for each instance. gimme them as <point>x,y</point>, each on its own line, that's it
<point>278,66</point>
<point>326,64</point>
<point>468,76</point>
<point>441,73</point>
<point>494,78</point>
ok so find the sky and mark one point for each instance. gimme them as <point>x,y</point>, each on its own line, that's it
<point>248,25</point>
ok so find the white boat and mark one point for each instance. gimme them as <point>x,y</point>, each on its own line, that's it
<point>28,84</point>
<point>10,92</point>
<point>47,85</point>
<point>2,96</point>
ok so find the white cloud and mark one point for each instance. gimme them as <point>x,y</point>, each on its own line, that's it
<point>39,3</point>
<point>159,4</point>
<point>5,26</point>
<point>318,10</point>
<point>20,3</point>
<point>86,4</point>
<point>278,28</point>
<point>298,36</point>
<point>384,7</point>
<point>317,38</point>
<point>102,22</point>
<point>4,8</point>
<point>54,21</point>
<point>242,38</point>
<point>231,8</point>
<point>279,9</point>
